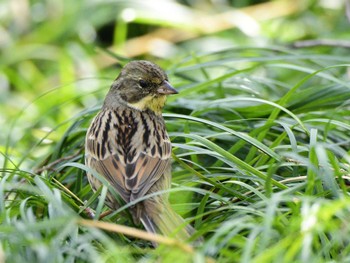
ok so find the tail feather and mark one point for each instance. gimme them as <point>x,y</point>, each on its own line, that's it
<point>168,223</point>
<point>148,224</point>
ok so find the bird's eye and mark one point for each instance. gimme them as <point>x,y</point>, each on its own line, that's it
<point>143,83</point>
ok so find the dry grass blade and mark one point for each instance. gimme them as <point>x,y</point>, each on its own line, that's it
<point>130,231</point>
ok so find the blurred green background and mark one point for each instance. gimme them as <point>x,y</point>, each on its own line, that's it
<point>59,57</point>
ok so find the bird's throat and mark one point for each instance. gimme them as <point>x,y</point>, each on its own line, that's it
<point>153,103</point>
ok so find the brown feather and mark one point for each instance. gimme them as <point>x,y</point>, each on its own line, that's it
<point>129,163</point>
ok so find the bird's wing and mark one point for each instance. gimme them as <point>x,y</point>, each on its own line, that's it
<point>131,155</point>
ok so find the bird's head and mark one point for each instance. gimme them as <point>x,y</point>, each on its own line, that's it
<point>141,85</point>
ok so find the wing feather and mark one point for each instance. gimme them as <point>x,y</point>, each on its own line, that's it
<point>131,149</point>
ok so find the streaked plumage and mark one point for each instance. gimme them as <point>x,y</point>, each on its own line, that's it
<point>127,143</point>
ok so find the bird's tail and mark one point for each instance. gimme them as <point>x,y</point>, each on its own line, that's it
<point>166,222</point>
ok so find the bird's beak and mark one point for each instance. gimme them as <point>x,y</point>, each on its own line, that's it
<point>166,89</point>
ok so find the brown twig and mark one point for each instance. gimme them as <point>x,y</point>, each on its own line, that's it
<point>52,164</point>
<point>104,214</point>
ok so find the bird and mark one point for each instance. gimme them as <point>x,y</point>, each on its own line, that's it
<point>127,144</point>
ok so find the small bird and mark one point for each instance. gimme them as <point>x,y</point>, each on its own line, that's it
<point>127,143</point>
